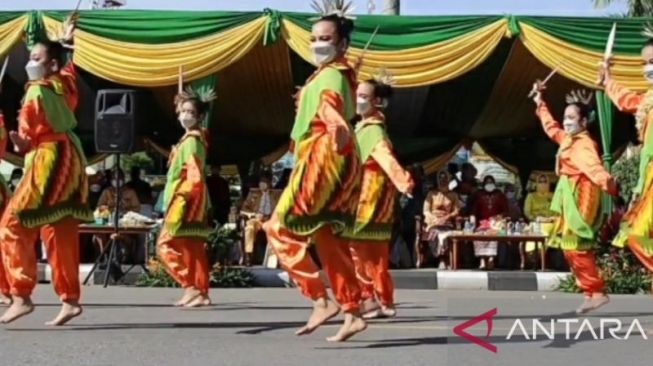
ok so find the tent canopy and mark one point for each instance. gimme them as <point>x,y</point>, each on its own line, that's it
<point>460,78</point>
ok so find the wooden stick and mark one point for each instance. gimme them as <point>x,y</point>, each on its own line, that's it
<point>180,80</point>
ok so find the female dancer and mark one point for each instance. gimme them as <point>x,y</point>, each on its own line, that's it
<point>321,197</point>
<point>577,197</point>
<point>51,198</point>
<point>637,226</point>
<point>5,194</point>
<point>185,225</point>
<point>382,177</point>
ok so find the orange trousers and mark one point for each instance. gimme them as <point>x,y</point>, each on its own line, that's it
<point>61,240</point>
<point>4,283</point>
<point>185,260</point>
<point>371,259</point>
<point>636,248</point>
<point>583,265</point>
<point>335,255</point>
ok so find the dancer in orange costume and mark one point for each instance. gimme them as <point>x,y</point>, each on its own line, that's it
<point>382,177</point>
<point>5,194</point>
<point>185,227</point>
<point>51,199</point>
<point>321,197</point>
<point>577,199</point>
<point>637,226</point>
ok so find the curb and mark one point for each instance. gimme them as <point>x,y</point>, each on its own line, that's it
<point>432,279</point>
<point>404,279</point>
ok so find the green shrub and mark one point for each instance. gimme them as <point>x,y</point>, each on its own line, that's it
<point>626,173</point>
<point>621,271</point>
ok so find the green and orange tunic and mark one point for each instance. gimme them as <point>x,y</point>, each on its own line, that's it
<point>638,221</point>
<point>185,196</point>
<point>324,184</point>
<point>577,198</point>
<point>382,177</point>
<point>54,185</point>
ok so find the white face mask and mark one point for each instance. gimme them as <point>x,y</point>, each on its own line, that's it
<point>490,187</point>
<point>571,127</point>
<point>114,183</point>
<point>186,120</point>
<point>95,188</point>
<point>648,73</point>
<point>323,52</point>
<point>362,106</point>
<point>35,70</point>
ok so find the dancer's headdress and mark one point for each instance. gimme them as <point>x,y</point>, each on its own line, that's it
<point>648,30</point>
<point>584,97</point>
<point>204,94</point>
<point>338,8</point>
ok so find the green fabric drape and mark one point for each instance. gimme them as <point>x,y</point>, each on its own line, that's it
<point>202,86</point>
<point>400,32</point>
<point>156,26</point>
<point>592,33</point>
<point>604,107</point>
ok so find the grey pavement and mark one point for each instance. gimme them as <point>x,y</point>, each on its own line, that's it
<point>136,326</point>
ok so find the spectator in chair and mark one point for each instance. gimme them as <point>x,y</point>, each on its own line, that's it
<point>129,203</point>
<point>142,188</point>
<point>258,208</point>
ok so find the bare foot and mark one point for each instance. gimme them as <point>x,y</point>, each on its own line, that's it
<point>389,311</point>
<point>323,310</point>
<point>585,307</point>
<point>369,305</point>
<point>199,301</point>
<point>189,295</point>
<point>353,324</point>
<point>20,307</point>
<point>69,310</point>
<point>5,300</point>
<point>599,300</point>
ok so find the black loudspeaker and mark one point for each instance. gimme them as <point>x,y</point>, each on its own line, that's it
<point>115,120</point>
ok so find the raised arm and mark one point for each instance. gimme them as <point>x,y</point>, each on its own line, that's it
<point>549,124</point>
<point>383,155</point>
<point>626,100</point>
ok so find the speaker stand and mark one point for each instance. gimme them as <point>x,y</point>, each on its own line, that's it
<point>111,267</point>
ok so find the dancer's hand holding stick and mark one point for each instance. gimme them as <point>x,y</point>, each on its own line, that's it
<point>604,65</point>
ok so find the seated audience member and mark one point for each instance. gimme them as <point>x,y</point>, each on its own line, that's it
<point>489,203</point>
<point>142,188</point>
<point>258,208</point>
<point>128,203</point>
<point>441,208</point>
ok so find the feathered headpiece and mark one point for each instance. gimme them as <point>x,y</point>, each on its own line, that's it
<point>584,97</point>
<point>648,30</point>
<point>204,94</point>
<point>579,96</point>
<point>384,76</point>
<point>339,8</point>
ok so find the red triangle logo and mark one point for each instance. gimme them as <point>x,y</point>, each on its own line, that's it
<point>459,330</point>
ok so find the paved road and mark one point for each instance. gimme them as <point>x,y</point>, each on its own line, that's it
<point>134,326</point>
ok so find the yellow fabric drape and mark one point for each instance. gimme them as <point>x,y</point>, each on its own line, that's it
<point>437,163</point>
<point>150,65</point>
<point>418,66</point>
<point>10,33</point>
<point>580,65</point>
